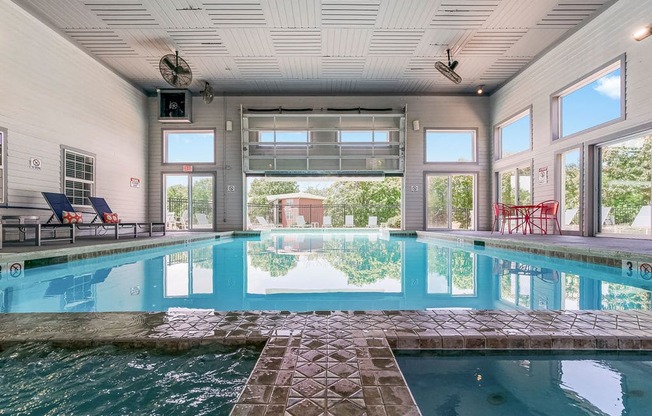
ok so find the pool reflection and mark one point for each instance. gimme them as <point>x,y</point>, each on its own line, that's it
<point>303,271</point>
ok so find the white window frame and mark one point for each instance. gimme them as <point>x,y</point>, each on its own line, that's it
<point>65,178</point>
<point>498,132</point>
<point>556,98</point>
<point>277,142</point>
<point>165,134</point>
<point>474,145</point>
<point>374,135</point>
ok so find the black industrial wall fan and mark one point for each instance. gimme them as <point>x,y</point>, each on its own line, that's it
<point>449,70</point>
<point>175,70</point>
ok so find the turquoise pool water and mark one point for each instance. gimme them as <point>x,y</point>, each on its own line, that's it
<point>322,271</point>
<point>38,379</point>
<point>527,383</point>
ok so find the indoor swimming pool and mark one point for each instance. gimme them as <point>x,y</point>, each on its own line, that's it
<point>304,271</point>
<point>108,380</point>
<point>528,383</point>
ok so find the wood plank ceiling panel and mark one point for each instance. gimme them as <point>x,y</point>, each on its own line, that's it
<point>328,46</point>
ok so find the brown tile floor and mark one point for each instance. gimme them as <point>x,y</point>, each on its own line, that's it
<point>341,363</point>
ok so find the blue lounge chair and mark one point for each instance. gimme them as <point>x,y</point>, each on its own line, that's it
<point>59,203</point>
<point>101,207</point>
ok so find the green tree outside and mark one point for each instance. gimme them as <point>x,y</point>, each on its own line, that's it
<point>362,200</point>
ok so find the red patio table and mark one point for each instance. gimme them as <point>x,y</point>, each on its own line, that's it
<point>526,214</point>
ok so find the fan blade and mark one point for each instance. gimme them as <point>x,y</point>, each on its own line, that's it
<point>174,79</point>
<point>182,70</point>
<point>169,64</point>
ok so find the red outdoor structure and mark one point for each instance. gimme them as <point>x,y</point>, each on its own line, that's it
<point>287,207</point>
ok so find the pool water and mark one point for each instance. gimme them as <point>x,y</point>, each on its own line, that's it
<point>38,379</point>
<point>528,383</point>
<point>303,271</point>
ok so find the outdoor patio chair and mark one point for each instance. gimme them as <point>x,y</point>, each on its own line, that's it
<point>373,222</point>
<point>184,220</point>
<point>348,221</point>
<point>263,223</point>
<point>105,215</point>
<point>170,221</point>
<point>569,215</point>
<point>300,221</point>
<point>547,211</point>
<point>64,213</point>
<point>506,214</point>
<point>327,222</point>
<point>203,221</point>
<point>642,219</point>
<point>606,217</point>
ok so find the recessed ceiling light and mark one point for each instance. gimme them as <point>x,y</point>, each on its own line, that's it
<point>642,33</point>
<point>480,89</point>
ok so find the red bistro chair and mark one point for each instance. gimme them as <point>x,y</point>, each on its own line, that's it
<point>506,213</point>
<point>548,211</point>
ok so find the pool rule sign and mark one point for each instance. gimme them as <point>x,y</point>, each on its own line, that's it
<point>633,269</point>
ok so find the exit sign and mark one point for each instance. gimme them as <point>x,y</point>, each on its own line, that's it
<point>187,168</point>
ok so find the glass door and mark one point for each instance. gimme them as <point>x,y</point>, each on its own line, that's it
<point>570,203</point>
<point>625,186</point>
<point>189,201</point>
<point>450,201</point>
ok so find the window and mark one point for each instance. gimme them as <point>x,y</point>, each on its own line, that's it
<point>3,165</point>
<point>189,146</point>
<point>570,190</point>
<point>515,135</point>
<point>450,146</point>
<point>281,136</point>
<point>516,186</point>
<point>596,100</point>
<point>368,136</point>
<point>79,176</point>
<point>625,186</point>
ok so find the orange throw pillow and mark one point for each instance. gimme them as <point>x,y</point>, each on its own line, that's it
<point>69,217</point>
<point>111,218</point>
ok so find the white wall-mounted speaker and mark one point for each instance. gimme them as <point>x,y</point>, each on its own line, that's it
<point>415,125</point>
<point>229,125</point>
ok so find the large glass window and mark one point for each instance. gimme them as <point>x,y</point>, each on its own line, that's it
<point>450,146</point>
<point>280,136</point>
<point>516,186</point>
<point>595,100</point>
<point>570,190</point>
<point>189,146</point>
<point>79,176</point>
<point>625,186</point>
<point>189,201</point>
<point>450,200</point>
<point>515,135</point>
<point>368,136</point>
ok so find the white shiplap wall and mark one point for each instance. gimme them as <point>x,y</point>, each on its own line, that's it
<point>53,94</point>
<point>599,42</point>
<point>432,111</point>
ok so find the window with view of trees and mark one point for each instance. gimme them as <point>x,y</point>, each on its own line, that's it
<point>450,201</point>
<point>625,186</point>
<point>593,101</point>
<point>515,135</point>
<point>516,186</point>
<point>570,190</point>
<point>79,176</point>
<point>450,146</point>
<point>189,146</point>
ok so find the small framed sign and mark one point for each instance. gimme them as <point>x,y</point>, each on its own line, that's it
<point>543,175</point>
<point>134,182</point>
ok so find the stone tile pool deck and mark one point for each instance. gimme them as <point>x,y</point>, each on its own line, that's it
<point>341,362</point>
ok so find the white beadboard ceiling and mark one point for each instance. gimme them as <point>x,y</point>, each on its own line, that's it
<point>317,46</point>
